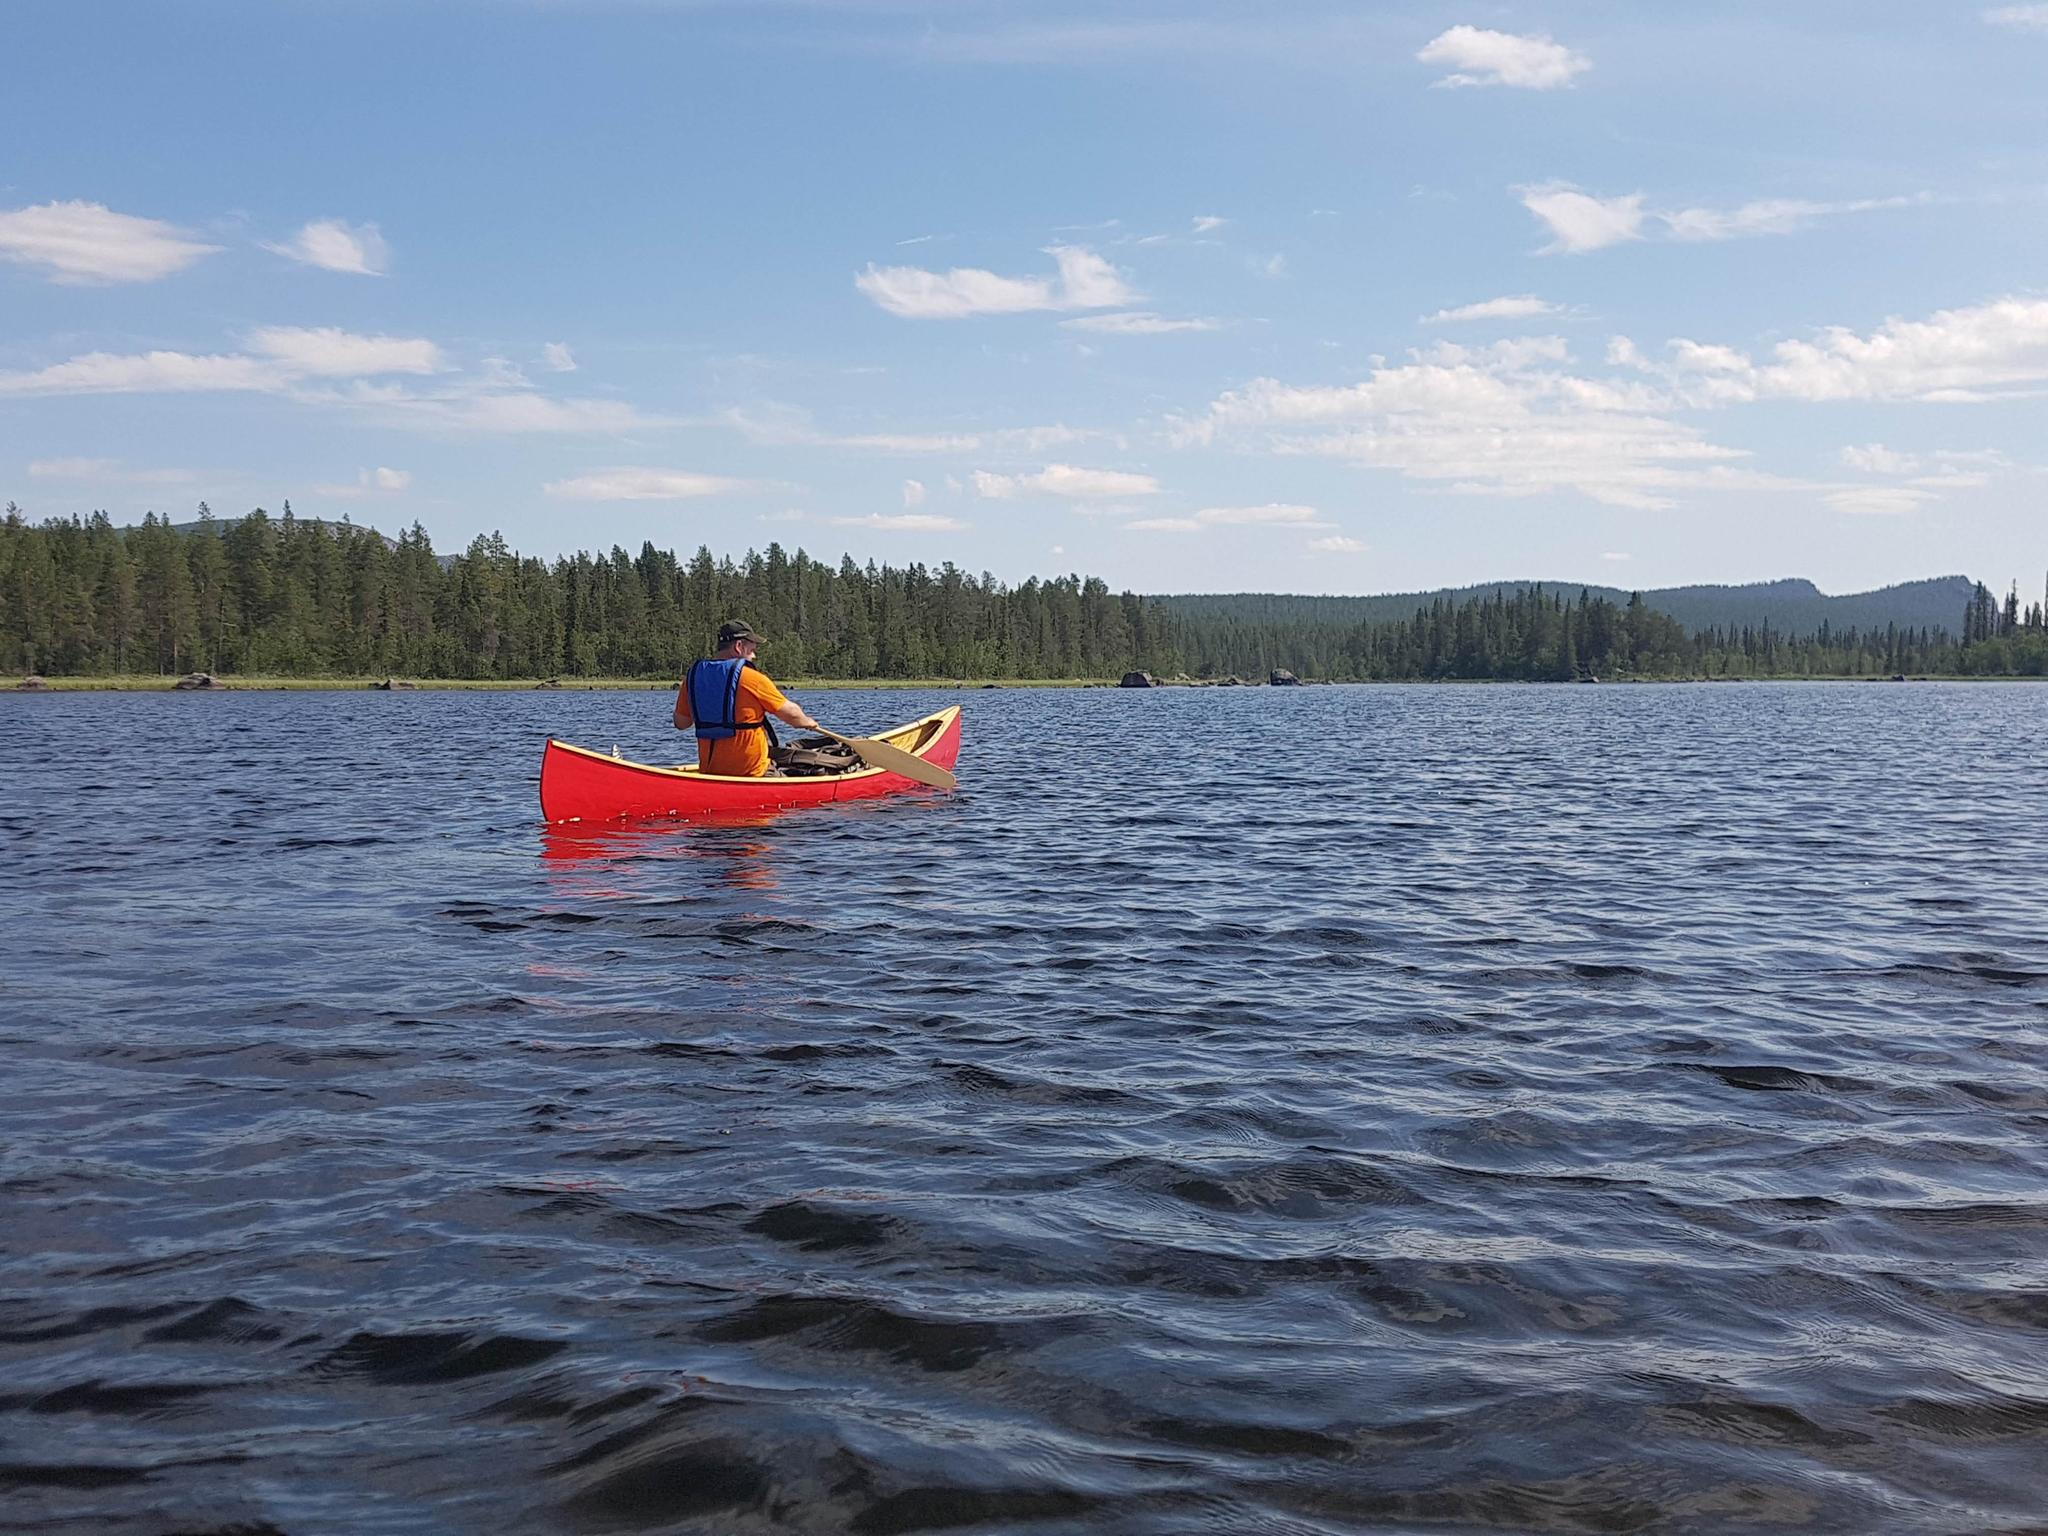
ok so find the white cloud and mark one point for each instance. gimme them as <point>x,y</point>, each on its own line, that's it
<point>326,352</point>
<point>106,373</point>
<point>89,243</point>
<point>2030,18</point>
<point>463,407</point>
<point>913,493</point>
<point>1990,351</point>
<point>370,482</point>
<point>1775,216</point>
<point>1136,323</point>
<point>1340,544</point>
<point>639,484</point>
<point>337,247</point>
<point>785,426</point>
<point>558,357</point>
<point>1616,555</point>
<point>106,471</point>
<point>1505,420</point>
<point>1519,306</point>
<point>1879,460</point>
<point>1579,221</point>
<point>1205,222</point>
<point>1518,418</point>
<point>1085,281</point>
<point>902,522</point>
<point>1877,500</point>
<point>1270,515</point>
<point>1272,512</point>
<point>1065,480</point>
<point>1481,57</point>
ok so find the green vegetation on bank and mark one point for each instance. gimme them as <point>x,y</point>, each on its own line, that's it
<point>284,598</point>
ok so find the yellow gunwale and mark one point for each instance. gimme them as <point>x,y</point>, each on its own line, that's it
<point>924,733</point>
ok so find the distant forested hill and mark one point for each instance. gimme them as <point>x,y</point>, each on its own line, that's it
<point>1792,606</point>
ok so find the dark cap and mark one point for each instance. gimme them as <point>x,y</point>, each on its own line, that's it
<point>733,629</point>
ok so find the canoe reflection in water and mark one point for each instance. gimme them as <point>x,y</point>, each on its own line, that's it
<point>587,860</point>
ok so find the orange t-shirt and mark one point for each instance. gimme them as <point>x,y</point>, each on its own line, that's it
<point>744,754</point>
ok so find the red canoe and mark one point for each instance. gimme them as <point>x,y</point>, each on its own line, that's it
<point>577,784</point>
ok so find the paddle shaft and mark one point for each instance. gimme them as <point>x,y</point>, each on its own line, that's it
<point>879,754</point>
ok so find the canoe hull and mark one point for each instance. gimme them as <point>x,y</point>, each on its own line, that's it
<point>577,784</point>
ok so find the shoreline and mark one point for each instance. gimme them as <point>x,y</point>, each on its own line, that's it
<point>149,683</point>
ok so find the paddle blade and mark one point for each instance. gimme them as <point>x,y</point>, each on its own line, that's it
<point>879,754</point>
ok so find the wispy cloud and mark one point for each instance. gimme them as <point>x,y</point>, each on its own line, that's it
<point>278,357</point>
<point>334,246</point>
<point>2028,18</point>
<point>1878,500</point>
<point>106,472</point>
<point>107,373</point>
<point>325,351</point>
<point>558,357</point>
<point>1136,323</point>
<point>785,426</point>
<point>902,522</point>
<point>381,481</point>
<point>1578,221</point>
<point>1067,481</point>
<point>1205,223</point>
<point>1084,281</point>
<point>1480,57</point>
<point>81,243</point>
<point>632,483</point>
<point>913,493</point>
<point>1272,514</point>
<point>1520,306</point>
<point>1340,544</point>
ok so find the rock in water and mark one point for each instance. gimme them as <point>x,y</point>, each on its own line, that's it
<point>1280,677</point>
<point>1137,680</point>
<point>195,680</point>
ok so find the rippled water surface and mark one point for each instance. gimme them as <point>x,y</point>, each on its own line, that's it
<point>1271,1111</point>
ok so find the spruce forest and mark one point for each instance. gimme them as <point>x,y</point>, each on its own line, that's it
<point>292,597</point>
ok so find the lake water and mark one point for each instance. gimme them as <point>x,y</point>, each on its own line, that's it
<point>1271,1111</point>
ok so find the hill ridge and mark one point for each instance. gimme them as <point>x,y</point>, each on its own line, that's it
<point>1787,603</point>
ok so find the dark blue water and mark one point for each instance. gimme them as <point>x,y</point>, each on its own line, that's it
<point>1274,1111</point>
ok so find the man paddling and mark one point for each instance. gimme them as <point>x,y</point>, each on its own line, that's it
<point>727,700</point>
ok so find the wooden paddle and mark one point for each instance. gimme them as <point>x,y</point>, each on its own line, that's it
<point>879,754</point>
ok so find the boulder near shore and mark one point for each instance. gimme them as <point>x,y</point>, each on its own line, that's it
<point>33,684</point>
<point>1282,678</point>
<point>1137,680</point>
<point>393,685</point>
<point>192,681</point>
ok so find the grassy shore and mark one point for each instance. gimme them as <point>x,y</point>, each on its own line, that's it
<point>150,683</point>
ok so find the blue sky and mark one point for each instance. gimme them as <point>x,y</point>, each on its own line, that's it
<point>1198,297</point>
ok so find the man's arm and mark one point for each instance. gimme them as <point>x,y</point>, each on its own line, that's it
<point>793,713</point>
<point>684,721</point>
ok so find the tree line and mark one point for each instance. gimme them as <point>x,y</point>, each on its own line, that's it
<point>295,597</point>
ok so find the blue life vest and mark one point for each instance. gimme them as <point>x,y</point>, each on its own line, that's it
<point>714,699</point>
